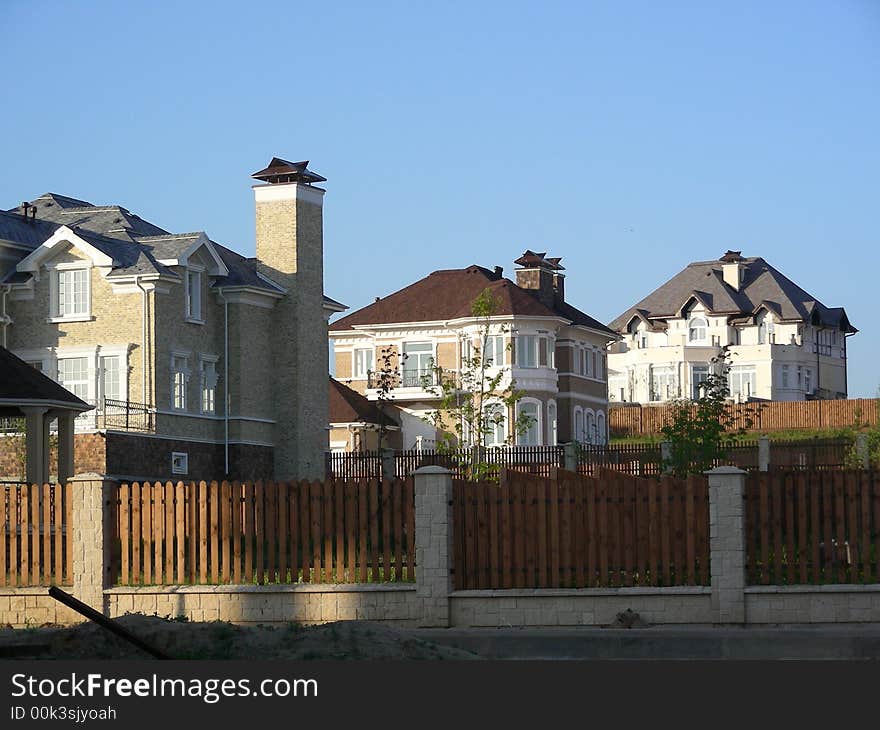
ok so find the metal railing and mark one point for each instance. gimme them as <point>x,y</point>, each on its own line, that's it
<point>412,378</point>
<point>107,414</point>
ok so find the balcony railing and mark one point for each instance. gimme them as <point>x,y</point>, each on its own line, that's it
<point>108,414</point>
<point>412,378</point>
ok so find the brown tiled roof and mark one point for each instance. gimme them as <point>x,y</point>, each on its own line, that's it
<point>448,294</point>
<point>349,406</point>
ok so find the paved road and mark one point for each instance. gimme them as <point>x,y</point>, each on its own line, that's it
<point>859,642</point>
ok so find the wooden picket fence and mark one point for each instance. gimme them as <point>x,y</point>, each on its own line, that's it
<point>36,544</point>
<point>265,533</point>
<point>573,531</point>
<point>813,527</point>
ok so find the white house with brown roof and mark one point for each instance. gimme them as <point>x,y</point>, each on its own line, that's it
<point>551,350</point>
<point>785,344</point>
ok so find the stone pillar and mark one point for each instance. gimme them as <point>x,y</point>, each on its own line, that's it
<point>93,497</point>
<point>434,555</point>
<point>666,456</point>
<point>727,543</point>
<point>37,444</point>
<point>65,446</point>
<point>389,465</point>
<point>862,451</point>
<point>763,454</point>
<point>570,456</point>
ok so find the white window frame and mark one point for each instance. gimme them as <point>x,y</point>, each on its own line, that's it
<point>55,272</point>
<point>785,377</point>
<point>492,437</point>
<point>538,425</point>
<point>740,371</point>
<point>360,373</point>
<point>668,372</point>
<point>698,369</point>
<point>185,373</point>
<point>527,357</point>
<point>601,423</point>
<point>552,423</point>
<point>577,430</point>
<point>494,350</point>
<point>698,330</point>
<point>191,314</point>
<point>179,462</point>
<point>808,380</point>
<point>590,425</point>
<point>205,387</point>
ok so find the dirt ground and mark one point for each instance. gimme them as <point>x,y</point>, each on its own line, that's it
<point>220,640</point>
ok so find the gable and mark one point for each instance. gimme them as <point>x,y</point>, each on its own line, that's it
<point>64,242</point>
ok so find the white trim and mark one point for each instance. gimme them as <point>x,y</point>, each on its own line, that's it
<point>185,462</point>
<point>582,396</point>
<point>269,281</point>
<point>183,257</point>
<point>63,234</point>
<point>207,417</point>
<point>272,192</point>
<point>540,416</point>
<point>39,402</point>
<point>249,295</point>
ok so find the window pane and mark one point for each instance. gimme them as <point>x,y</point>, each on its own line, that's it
<point>73,374</point>
<point>110,378</point>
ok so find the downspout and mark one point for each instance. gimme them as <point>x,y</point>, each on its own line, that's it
<point>225,380</point>
<point>144,395</point>
<point>3,316</point>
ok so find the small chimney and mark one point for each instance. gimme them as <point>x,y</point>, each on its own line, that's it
<point>541,275</point>
<point>733,269</point>
<point>499,272</point>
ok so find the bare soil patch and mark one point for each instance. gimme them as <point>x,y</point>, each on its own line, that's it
<point>359,640</point>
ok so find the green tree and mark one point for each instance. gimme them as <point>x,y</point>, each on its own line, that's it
<point>481,398</point>
<point>697,427</point>
<point>386,380</point>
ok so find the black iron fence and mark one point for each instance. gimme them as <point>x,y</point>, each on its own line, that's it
<point>634,459</point>
<point>107,414</point>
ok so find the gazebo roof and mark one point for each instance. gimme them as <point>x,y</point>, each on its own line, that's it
<point>22,385</point>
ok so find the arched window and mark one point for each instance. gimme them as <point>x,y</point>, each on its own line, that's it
<point>578,425</point>
<point>551,423</point>
<point>601,436</point>
<point>697,329</point>
<point>590,427</point>
<point>496,429</point>
<point>532,435</point>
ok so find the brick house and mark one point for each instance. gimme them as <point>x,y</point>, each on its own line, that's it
<point>200,362</point>
<point>553,351</point>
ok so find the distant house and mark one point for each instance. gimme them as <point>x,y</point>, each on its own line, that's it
<point>784,343</point>
<point>554,352</point>
<point>356,423</point>
<point>199,362</point>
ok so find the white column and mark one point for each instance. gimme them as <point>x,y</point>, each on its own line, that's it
<point>37,444</point>
<point>434,552</point>
<point>93,498</point>
<point>764,454</point>
<point>727,547</point>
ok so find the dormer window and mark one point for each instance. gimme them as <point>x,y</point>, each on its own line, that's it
<point>194,296</point>
<point>697,329</point>
<point>69,293</point>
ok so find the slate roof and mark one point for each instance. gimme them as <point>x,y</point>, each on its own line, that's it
<point>762,284</point>
<point>447,294</point>
<point>348,406</point>
<point>21,382</point>
<point>135,245</point>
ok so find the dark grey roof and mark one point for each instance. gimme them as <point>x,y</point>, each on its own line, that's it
<point>19,382</point>
<point>31,233</point>
<point>135,245</point>
<point>762,284</point>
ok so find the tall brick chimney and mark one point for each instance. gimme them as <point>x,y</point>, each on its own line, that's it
<point>541,275</point>
<point>290,251</point>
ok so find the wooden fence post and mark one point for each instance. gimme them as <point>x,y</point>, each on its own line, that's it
<point>94,511</point>
<point>727,543</point>
<point>763,454</point>
<point>434,553</point>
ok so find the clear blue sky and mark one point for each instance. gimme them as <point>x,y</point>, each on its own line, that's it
<point>627,137</point>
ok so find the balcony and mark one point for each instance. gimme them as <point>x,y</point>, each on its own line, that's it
<point>108,415</point>
<point>412,383</point>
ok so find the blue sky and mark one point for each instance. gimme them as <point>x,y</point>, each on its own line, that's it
<point>627,137</point>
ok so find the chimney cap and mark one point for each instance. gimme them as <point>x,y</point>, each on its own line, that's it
<point>732,257</point>
<point>284,171</point>
<point>532,260</point>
